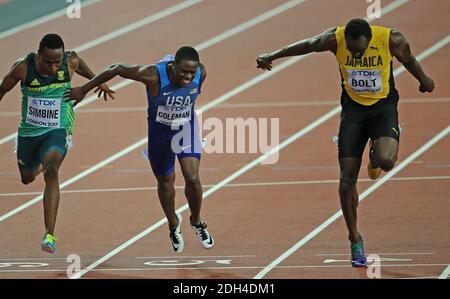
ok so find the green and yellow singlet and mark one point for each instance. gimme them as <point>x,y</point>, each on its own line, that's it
<point>43,106</point>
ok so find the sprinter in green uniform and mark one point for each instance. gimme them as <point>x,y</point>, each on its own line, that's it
<point>46,126</point>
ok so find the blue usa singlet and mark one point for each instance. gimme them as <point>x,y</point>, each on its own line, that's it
<point>171,114</point>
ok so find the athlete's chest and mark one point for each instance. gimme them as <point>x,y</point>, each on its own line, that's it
<point>178,97</point>
<point>375,56</point>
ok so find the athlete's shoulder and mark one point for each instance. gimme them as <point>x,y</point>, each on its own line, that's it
<point>328,40</point>
<point>21,62</point>
<point>72,58</point>
<point>19,68</point>
<point>151,70</point>
<point>397,39</point>
<point>149,74</point>
<point>396,35</point>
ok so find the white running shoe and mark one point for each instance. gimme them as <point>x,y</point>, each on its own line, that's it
<point>204,237</point>
<point>175,236</point>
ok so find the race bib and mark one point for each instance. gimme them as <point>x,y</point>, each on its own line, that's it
<point>365,81</point>
<point>44,112</point>
<point>173,116</point>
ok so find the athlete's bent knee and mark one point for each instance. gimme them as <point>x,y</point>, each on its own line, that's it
<point>386,163</point>
<point>27,180</point>
<point>50,172</point>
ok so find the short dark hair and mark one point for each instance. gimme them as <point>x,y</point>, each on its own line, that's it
<point>358,27</point>
<point>51,41</point>
<point>187,53</point>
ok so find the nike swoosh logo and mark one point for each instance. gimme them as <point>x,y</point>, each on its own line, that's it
<point>210,242</point>
<point>175,247</point>
<point>167,93</point>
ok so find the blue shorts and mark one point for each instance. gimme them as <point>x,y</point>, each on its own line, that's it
<point>31,150</point>
<point>164,143</point>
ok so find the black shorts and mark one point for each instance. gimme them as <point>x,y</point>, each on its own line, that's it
<point>359,123</point>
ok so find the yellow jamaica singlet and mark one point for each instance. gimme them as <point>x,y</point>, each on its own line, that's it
<point>369,79</point>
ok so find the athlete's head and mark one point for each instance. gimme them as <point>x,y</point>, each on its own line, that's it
<point>186,65</point>
<point>357,36</point>
<point>51,53</point>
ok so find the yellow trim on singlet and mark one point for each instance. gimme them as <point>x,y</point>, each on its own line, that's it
<point>366,80</point>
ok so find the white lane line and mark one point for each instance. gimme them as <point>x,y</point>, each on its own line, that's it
<point>42,20</point>
<point>251,105</point>
<point>117,33</point>
<point>33,259</point>
<point>143,141</point>
<point>423,277</point>
<point>232,185</point>
<point>362,196</point>
<point>446,273</point>
<point>397,253</point>
<point>381,259</point>
<point>223,268</point>
<point>191,256</point>
<point>138,24</point>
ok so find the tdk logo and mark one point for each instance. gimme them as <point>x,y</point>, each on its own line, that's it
<point>364,73</point>
<point>43,102</point>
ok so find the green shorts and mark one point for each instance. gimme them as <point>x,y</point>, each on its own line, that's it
<point>31,150</point>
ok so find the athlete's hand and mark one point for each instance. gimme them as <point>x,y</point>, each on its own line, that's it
<point>426,85</point>
<point>264,62</point>
<point>75,94</point>
<point>104,89</point>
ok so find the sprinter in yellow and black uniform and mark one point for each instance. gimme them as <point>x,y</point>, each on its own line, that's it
<point>369,103</point>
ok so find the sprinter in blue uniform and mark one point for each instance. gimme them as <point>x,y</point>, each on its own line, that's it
<point>173,86</point>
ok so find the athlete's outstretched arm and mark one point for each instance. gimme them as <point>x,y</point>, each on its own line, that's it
<point>319,43</point>
<point>400,49</point>
<point>16,74</point>
<point>77,64</point>
<point>140,73</point>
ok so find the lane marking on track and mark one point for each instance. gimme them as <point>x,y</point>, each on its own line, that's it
<point>446,273</point>
<point>398,253</point>
<point>230,185</point>
<point>381,259</point>
<point>251,105</point>
<point>192,256</point>
<point>99,269</point>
